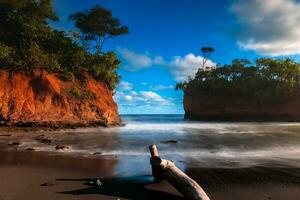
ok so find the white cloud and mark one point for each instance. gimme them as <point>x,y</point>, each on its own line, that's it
<point>152,96</point>
<point>138,61</point>
<point>180,67</point>
<point>124,86</point>
<point>270,27</point>
<point>143,98</point>
<point>187,66</point>
<point>133,93</point>
<point>128,98</point>
<point>162,87</point>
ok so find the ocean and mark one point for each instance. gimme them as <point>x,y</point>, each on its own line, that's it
<point>188,144</point>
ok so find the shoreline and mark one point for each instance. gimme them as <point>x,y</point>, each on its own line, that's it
<point>58,125</point>
<point>54,126</point>
<point>68,177</point>
<point>33,168</point>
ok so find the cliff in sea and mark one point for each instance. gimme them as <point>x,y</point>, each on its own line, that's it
<point>45,99</point>
<point>267,90</point>
<point>236,108</point>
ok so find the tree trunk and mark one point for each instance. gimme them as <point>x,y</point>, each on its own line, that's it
<point>165,169</point>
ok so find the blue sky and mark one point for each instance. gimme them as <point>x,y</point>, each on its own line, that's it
<point>163,46</point>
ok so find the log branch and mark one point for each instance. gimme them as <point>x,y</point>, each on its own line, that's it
<point>166,170</point>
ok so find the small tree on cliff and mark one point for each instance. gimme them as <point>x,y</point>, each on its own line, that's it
<point>206,53</point>
<point>97,25</point>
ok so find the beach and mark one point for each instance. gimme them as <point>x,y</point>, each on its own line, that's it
<point>23,177</point>
<point>229,161</point>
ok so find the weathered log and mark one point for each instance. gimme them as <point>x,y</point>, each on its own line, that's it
<point>166,170</point>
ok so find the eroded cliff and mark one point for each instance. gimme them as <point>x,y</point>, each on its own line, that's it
<point>43,99</point>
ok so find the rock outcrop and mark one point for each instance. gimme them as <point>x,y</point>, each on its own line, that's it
<point>44,99</point>
<point>239,109</point>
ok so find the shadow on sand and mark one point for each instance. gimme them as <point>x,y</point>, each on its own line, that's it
<point>129,187</point>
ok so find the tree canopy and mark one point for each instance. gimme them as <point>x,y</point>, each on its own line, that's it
<point>266,81</point>
<point>206,52</point>
<point>27,41</point>
<point>97,25</point>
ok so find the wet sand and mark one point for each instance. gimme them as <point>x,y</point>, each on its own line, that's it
<point>22,175</point>
<point>240,161</point>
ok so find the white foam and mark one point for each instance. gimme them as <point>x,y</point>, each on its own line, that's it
<point>204,127</point>
<point>136,136</point>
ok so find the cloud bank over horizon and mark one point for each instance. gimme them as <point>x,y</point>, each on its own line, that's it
<point>133,102</point>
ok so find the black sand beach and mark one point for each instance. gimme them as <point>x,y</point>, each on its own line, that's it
<point>231,161</point>
<point>33,175</point>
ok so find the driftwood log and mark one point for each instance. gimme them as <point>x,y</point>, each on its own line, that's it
<point>166,170</point>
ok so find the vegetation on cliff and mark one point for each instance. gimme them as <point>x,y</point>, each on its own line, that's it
<point>267,81</point>
<point>28,42</point>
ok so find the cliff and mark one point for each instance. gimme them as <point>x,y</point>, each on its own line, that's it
<point>43,99</point>
<point>235,108</point>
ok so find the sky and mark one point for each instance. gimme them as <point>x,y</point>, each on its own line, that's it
<point>165,38</point>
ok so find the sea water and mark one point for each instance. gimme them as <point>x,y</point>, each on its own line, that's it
<point>187,143</point>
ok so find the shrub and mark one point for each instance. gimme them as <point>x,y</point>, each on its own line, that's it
<point>5,52</point>
<point>67,76</point>
<point>81,94</point>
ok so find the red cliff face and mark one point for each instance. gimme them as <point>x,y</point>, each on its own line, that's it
<point>240,110</point>
<point>43,98</point>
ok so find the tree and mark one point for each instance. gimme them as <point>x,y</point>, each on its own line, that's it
<point>24,21</point>
<point>206,52</point>
<point>181,86</point>
<point>267,81</point>
<point>24,29</point>
<point>27,42</point>
<point>97,25</point>
<point>104,68</point>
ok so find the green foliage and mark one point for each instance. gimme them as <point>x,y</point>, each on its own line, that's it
<point>268,81</point>
<point>107,70</point>
<point>181,86</point>
<point>28,42</point>
<point>97,25</point>
<point>67,76</point>
<point>5,52</point>
<point>81,94</point>
<point>206,50</point>
<point>23,28</point>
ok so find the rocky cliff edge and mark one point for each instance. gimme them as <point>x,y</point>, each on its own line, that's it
<point>44,99</point>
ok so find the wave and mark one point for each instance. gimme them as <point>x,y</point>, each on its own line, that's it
<point>211,144</point>
<point>215,127</point>
<point>291,152</point>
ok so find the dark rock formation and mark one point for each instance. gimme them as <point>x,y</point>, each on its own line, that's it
<point>237,109</point>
